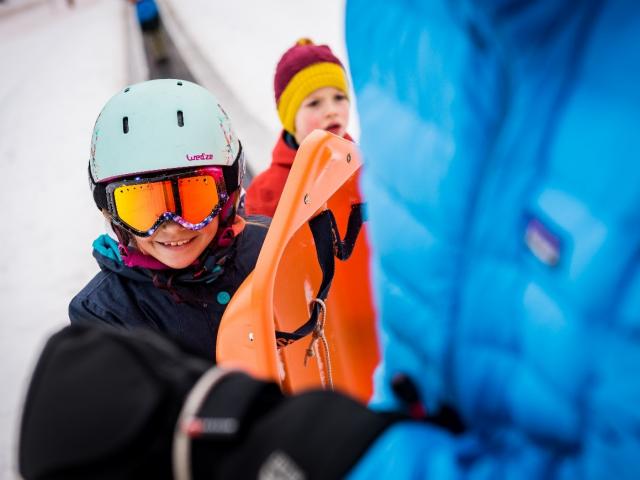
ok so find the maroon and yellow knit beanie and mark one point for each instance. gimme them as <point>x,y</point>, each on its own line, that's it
<point>304,68</point>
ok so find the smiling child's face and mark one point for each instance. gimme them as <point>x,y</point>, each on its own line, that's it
<point>176,246</point>
<point>327,109</point>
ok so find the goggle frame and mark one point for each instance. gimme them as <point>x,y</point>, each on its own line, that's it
<point>213,171</point>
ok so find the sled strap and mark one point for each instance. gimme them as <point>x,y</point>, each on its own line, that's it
<point>318,333</point>
<point>320,226</point>
<point>344,248</point>
<point>326,237</point>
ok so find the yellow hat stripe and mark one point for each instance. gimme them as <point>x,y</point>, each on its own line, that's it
<point>305,82</point>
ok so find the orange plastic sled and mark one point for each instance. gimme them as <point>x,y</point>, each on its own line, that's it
<point>279,295</point>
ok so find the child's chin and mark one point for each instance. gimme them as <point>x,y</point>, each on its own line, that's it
<point>176,262</point>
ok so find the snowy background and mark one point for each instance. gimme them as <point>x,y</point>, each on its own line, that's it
<point>60,64</point>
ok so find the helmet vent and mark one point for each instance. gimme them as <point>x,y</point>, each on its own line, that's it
<point>125,124</point>
<point>180,119</point>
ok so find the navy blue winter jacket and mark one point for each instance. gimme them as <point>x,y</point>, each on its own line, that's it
<point>185,308</point>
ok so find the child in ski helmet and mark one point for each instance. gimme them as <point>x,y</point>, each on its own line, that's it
<point>311,92</point>
<point>166,170</point>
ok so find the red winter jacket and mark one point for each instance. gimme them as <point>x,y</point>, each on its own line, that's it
<point>263,194</point>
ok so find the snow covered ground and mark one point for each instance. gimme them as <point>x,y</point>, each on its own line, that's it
<point>60,65</point>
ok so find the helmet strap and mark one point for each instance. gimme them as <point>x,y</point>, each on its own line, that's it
<point>228,212</point>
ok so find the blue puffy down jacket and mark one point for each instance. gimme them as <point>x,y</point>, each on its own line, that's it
<point>503,180</point>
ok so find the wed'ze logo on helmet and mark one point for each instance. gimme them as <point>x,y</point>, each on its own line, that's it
<point>200,156</point>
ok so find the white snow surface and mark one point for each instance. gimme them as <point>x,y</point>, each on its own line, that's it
<point>60,65</point>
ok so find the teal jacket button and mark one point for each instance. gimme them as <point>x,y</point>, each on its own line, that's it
<point>223,298</point>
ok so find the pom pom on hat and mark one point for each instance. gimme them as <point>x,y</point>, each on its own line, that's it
<point>303,69</point>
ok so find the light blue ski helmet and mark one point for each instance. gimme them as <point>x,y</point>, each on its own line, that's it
<point>161,125</point>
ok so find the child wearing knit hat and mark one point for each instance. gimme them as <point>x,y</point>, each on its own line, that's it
<point>311,92</point>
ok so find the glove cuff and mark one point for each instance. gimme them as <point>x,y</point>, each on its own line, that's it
<point>234,426</point>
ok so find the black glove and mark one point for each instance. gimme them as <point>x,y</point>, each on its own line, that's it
<point>105,404</point>
<point>102,404</point>
<point>234,426</point>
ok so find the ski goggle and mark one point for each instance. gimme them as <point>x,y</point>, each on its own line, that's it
<point>191,199</point>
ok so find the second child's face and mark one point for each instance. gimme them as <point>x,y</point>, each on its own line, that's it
<point>175,246</point>
<point>327,109</point>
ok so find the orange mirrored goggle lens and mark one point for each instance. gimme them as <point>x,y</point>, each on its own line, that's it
<point>141,205</point>
<point>198,197</point>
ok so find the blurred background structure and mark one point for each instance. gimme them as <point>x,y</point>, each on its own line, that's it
<point>62,60</point>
